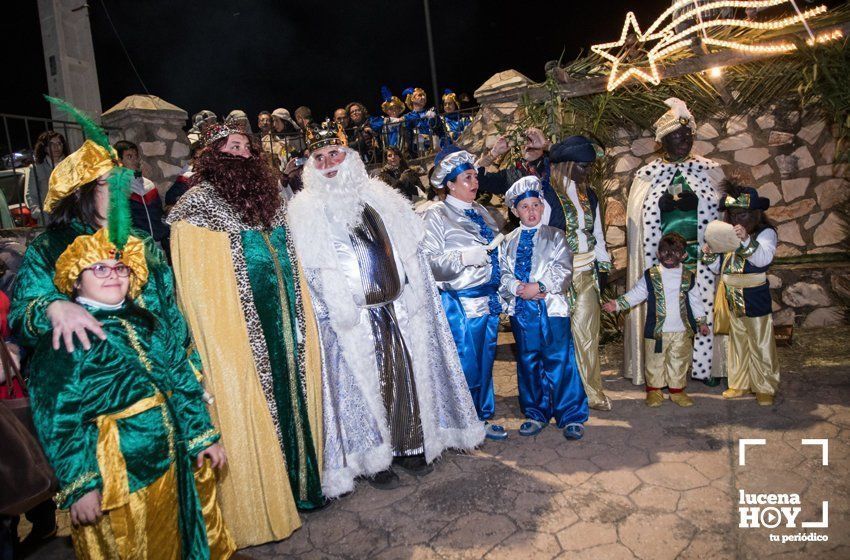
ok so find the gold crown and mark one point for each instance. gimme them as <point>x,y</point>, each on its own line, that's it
<point>329,134</point>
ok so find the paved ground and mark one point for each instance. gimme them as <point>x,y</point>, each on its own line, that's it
<point>643,483</point>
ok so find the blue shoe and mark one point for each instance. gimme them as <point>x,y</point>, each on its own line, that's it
<point>531,428</point>
<point>495,431</point>
<point>574,431</point>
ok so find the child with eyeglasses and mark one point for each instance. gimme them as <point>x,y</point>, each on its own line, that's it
<point>123,422</point>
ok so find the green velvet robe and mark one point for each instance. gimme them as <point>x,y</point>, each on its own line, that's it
<point>35,289</point>
<point>68,391</point>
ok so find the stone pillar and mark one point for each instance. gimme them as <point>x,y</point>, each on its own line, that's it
<point>69,55</point>
<point>156,126</point>
<point>499,100</point>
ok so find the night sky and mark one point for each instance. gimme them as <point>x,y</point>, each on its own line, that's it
<point>263,54</point>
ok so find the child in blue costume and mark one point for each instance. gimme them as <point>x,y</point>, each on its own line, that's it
<point>536,270</point>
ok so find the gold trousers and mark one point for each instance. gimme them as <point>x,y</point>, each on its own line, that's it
<point>670,366</point>
<point>584,322</point>
<point>156,534</point>
<point>752,364</point>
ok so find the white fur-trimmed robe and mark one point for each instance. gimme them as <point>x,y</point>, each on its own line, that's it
<point>643,232</point>
<point>357,437</point>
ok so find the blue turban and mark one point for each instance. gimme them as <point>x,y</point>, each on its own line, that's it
<point>575,148</point>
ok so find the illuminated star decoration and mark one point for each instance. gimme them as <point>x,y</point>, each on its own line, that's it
<point>669,40</point>
<point>616,78</point>
<point>673,42</point>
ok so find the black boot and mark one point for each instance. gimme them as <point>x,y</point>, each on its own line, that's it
<point>415,465</point>
<point>385,480</point>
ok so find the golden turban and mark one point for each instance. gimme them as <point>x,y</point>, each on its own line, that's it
<point>81,167</point>
<point>89,249</point>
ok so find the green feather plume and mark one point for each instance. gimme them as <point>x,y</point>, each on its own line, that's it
<point>119,220</point>
<point>91,129</point>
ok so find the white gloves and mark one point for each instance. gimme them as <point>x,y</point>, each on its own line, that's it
<point>430,114</point>
<point>475,256</point>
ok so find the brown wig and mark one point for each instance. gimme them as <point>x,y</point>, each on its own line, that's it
<point>41,145</point>
<point>79,206</point>
<point>249,185</point>
<point>558,172</point>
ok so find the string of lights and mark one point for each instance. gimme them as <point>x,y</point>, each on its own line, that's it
<point>661,39</point>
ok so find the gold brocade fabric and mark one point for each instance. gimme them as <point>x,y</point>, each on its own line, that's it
<point>83,166</point>
<point>256,500</point>
<point>669,368</point>
<point>584,322</point>
<point>89,249</point>
<point>153,512</point>
<point>113,468</point>
<point>753,364</point>
<point>633,339</point>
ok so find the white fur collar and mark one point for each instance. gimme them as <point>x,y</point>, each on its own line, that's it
<point>312,236</point>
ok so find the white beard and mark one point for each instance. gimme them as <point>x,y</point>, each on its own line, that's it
<point>342,195</point>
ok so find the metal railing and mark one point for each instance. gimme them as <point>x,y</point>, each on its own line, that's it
<point>18,174</point>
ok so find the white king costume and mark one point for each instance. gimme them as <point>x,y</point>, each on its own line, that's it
<point>392,383</point>
<point>692,177</point>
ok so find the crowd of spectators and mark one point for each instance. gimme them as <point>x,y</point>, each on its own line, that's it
<point>406,124</point>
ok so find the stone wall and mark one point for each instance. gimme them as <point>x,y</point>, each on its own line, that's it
<point>156,126</point>
<point>787,156</point>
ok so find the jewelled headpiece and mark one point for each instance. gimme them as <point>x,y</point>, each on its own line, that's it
<point>329,134</point>
<point>217,131</point>
<point>677,116</point>
<point>89,249</point>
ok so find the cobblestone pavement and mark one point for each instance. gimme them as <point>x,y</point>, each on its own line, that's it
<point>643,483</point>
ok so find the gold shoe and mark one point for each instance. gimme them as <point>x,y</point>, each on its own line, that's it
<point>682,399</point>
<point>654,399</point>
<point>764,399</point>
<point>734,393</point>
<point>604,406</point>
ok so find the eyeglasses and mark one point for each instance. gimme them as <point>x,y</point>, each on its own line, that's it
<point>105,271</point>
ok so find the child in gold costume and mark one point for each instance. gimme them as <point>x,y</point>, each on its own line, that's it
<point>743,306</point>
<point>124,422</point>
<point>674,314</point>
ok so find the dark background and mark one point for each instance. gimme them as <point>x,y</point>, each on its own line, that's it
<point>263,54</point>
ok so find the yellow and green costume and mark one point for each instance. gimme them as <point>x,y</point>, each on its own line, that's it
<point>248,307</point>
<point>127,417</point>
